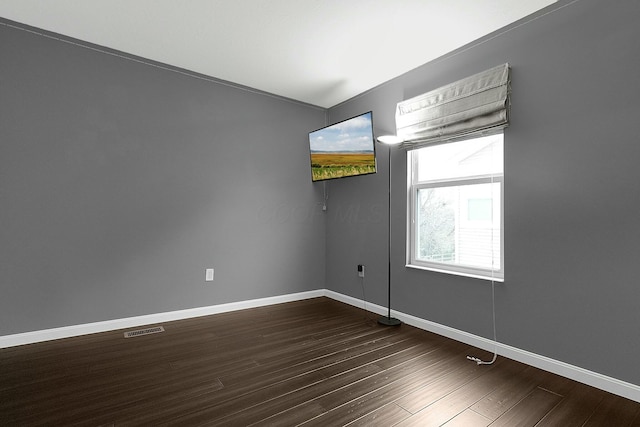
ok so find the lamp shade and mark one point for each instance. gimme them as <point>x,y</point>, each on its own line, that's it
<point>390,139</point>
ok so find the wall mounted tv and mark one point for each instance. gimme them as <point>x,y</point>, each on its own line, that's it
<point>343,149</point>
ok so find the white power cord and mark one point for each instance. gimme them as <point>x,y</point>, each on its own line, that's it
<point>495,338</point>
<point>364,299</point>
<point>493,302</point>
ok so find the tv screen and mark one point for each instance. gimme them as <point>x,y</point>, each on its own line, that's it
<point>343,149</point>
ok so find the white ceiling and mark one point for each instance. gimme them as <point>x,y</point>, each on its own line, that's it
<point>321,52</point>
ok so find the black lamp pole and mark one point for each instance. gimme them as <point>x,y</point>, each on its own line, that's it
<point>388,320</point>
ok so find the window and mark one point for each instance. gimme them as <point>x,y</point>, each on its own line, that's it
<point>456,207</point>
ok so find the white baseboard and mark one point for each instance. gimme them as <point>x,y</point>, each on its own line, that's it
<point>603,382</point>
<point>131,322</point>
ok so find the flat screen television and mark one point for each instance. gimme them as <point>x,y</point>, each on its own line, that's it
<point>343,149</point>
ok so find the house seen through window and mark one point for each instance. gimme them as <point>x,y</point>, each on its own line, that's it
<point>456,207</point>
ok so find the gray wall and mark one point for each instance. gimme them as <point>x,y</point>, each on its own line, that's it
<point>572,238</point>
<point>121,182</point>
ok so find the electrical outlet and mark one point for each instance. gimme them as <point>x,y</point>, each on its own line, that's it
<point>360,270</point>
<point>208,275</point>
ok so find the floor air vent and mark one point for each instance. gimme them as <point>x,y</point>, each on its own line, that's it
<point>147,331</point>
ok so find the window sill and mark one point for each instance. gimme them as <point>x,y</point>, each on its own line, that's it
<point>457,273</point>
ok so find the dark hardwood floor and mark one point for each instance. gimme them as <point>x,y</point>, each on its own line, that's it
<point>316,362</point>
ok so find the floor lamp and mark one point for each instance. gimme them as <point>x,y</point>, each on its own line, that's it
<point>387,320</point>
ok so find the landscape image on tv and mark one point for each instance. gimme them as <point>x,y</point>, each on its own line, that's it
<point>343,149</point>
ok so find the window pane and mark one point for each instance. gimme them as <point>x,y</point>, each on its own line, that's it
<point>480,209</point>
<point>436,224</point>
<point>480,156</point>
<point>459,225</point>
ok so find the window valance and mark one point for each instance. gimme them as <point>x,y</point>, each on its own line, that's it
<point>474,105</point>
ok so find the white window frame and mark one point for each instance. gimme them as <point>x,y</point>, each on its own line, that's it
<point>414,187</point>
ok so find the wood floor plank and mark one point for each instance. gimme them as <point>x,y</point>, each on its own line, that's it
<point>463,372</point>
<point>614,411</point>
<point>508,393</point>
<point>273,402</point>
<point>258,389</point>
<point>464,396</point>
<point>575,409</point>
<point>387,415</point>
<point>342,377</point>
<point>402,366</point>
<point>468,418</point>
<point>529,410</point>
<point>315,362</point>
<point>368,406</point>
<point>301,361</point>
